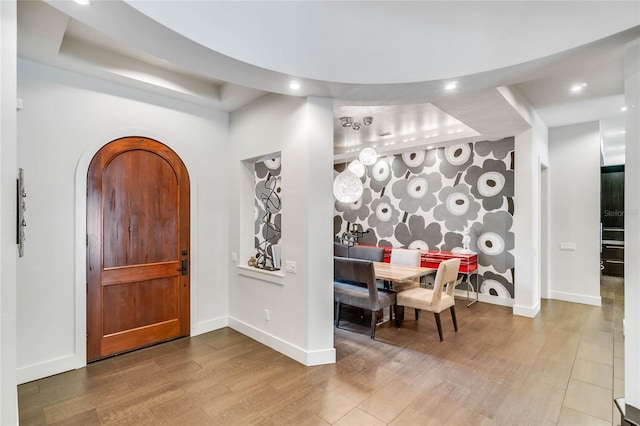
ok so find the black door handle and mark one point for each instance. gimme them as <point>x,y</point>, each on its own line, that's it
<point>184,270</point>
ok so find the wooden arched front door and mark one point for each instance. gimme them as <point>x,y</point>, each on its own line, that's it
<point>137,247</point>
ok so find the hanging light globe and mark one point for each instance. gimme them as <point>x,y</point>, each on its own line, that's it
<point>368,156</point>
<point>357,168</point>
<point>347,187</point>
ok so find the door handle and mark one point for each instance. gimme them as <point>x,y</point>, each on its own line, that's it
<point>184,269</point>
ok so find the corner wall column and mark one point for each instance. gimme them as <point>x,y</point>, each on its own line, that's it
<point>8,247</point>
<point>632,232</point>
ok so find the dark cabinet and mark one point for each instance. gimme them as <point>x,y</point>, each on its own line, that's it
<point>612,220</point>
<point>612,257</point>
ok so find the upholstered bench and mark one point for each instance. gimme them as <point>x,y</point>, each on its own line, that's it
<point>354,284</point>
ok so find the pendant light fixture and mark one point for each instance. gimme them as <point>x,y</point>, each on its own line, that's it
<point>357,167</point>
<point>368,156</point>
<point>347,186</point>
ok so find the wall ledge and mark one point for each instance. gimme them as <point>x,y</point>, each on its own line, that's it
<point>275,277</point>
<point>630,414</point>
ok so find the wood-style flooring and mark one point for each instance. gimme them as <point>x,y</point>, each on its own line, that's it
<point>499,369</point>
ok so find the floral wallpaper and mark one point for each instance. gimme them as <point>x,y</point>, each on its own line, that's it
<point>425,199</point>
<point>267,209</point>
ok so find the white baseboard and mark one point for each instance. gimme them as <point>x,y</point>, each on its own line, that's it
<point>308,358</point>
<point>576,298</point>
<point>48,368</point>
<point>526,311</point>
<point>487,298</point>
<point>72,362</point>
<point>209,325</point>
<point>502,301</point>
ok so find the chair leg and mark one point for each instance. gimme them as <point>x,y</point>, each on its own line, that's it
<point>439,324</point>
<point>361,311</point>
<point>374,314</point>
<point>395,315</point>
<point>399,315</point>
<point>338,314</point>
<point>453,317</point>
<point>417,310</point>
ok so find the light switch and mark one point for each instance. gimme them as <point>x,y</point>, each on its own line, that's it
<point>291,267</point>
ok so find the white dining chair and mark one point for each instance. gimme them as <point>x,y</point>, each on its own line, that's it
<point>436,300</point>
<point>408,257</point>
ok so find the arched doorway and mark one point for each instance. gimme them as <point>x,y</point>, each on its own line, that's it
<point>137,247</point>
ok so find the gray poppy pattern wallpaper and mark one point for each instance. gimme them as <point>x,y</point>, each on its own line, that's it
<point>425,199</point>
<point>267,209</point>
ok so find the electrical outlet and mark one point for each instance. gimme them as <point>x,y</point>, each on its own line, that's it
<point>266,315</point>
<point>291,267</point>
<point>234,257</point>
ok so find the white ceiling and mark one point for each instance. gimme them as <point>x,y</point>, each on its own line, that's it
<point>389,60</point>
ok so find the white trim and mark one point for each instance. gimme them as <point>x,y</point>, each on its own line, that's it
<point>260,274</point>
<point>495,300</point>
<point>482,297</point>
<point>47,368</point>
<point>209,325</point>
<point>80,343</point>
<point>326,356</point>
<point>527,311</point>
<point>576,298</point>
<point>308,358</point>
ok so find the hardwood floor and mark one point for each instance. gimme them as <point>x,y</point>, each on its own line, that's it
<point>499,369</point>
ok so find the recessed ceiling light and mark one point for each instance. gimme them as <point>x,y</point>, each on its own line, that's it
<point>452,85</point>
<point>83,2</point>
<point>623,109</point>
<point>578,87</point>
<point>294,85</point>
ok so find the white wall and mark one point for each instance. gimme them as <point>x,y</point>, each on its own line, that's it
<point>65,120</point>
<point>301,308</point>
<point>8,39</point>
<point>574,156</point>
<point>531,154</point>
<point>632,227</point>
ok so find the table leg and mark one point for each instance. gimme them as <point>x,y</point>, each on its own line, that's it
<point>477,288</point>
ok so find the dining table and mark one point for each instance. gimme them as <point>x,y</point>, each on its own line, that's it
<point>390,272</point>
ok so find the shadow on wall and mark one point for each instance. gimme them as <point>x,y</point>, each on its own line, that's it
<point>425,199</point>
